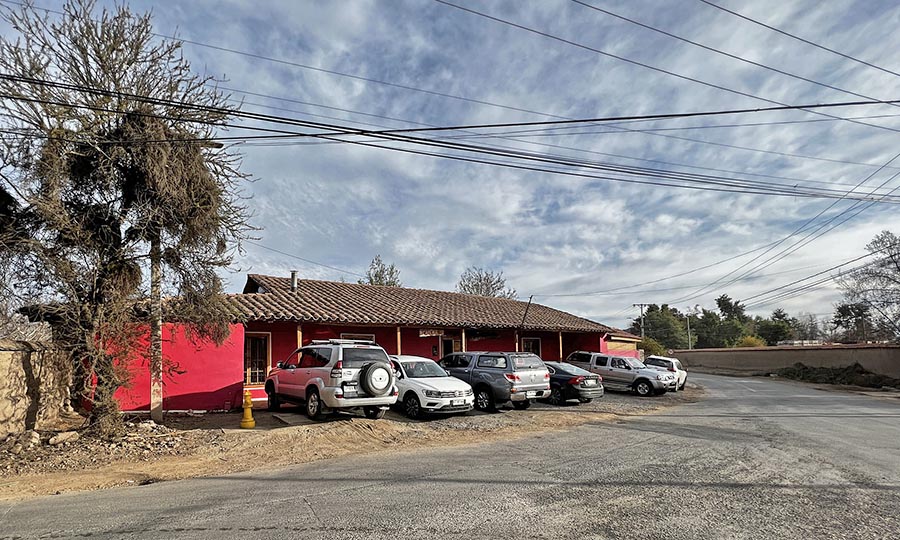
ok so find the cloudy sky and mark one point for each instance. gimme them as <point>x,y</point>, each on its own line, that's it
<point>566,240</point>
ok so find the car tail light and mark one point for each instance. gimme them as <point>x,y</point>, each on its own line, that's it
<point>513,378</point>
<point>672,369</point>
<point>336,370</point>
<point>599,378</point>
<point>396,392</point>
<point>338,392</point>
<point>576,380</point>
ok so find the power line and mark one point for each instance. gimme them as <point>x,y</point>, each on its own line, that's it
<point>721,52</point>
<point>798,38</point>
<point>742,186</point>
<point>310,261</point>
<point>658,116</point>
<point>644,65</point>
<point>411,88</point>
<point>835,267</point>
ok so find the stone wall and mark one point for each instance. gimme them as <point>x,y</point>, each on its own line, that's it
<point>34,385</point>
<point>881,359</point>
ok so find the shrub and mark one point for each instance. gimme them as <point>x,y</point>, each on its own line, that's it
<point>750,341</point>
<point>651,347</point>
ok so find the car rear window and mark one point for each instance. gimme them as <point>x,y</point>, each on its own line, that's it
<point>574,370</point>
<point>498,362</point>
<point>527,361</point>
<point>357,358</point>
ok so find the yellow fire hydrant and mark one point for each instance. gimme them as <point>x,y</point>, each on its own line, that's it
<point>247,422</point>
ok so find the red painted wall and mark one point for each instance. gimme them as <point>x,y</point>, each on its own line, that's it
<point>196,375</point>
<point>412,344</point>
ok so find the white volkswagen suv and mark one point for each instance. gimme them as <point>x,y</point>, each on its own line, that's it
<point>425,387</point>
<point>337,374</point>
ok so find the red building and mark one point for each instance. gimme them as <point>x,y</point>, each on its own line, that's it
<point>275,315</point>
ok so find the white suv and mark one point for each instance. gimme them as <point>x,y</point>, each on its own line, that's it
<point>338,374</point>
<point>425,387</point>
<point>664,363</point>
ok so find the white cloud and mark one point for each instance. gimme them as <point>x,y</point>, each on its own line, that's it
<point>551,234</point>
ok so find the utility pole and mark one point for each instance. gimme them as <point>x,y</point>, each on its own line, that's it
<point>642,306</point>
<point>689,331</point>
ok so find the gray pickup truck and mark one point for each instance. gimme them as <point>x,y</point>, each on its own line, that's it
<point>624,373</point>
<point>499,377</point>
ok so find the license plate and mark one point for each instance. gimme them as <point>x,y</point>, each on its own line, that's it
<point>531,394</point>
<point>590,382</point>
<point>454,402</point>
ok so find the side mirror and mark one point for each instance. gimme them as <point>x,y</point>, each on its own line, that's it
<point>279,365</point>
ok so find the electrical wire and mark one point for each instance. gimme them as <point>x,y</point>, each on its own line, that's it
<point>798,38</point>
<point>645,65</point>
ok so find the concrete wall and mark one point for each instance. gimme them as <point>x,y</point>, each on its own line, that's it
<point>881,359</point>
<point>34,385</point>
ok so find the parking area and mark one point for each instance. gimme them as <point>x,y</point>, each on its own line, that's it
<point>755,458</point>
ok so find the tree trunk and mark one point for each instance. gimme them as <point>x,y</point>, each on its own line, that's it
<point>156,389</point>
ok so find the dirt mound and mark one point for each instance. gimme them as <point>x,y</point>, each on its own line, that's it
<point>854,375</point>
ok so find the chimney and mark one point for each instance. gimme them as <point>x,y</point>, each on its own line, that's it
<point>293,281</point>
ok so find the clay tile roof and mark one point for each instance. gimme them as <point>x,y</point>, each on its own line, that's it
<point>269,298</point>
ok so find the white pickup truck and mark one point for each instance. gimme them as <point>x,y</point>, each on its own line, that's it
<point>620,373</point>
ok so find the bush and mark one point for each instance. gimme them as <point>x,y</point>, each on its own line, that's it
<point>750,341</point>
<point>651,347</point>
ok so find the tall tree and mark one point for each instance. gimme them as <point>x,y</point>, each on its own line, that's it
<point>108,175</point>
<point>877,284</point>
<point>475,280</point>
<point>855,322</point>
<point>806,327</point>
<point>664,324</point>
<point>380,273</point>
<point>731,309</point>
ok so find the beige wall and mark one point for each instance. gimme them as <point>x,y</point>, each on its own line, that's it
<point>882,359</point>
<point>34,385</point>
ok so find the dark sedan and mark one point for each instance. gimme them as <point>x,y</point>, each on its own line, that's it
<point>571,382</point>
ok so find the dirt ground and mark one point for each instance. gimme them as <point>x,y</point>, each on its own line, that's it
<point>212,444</point>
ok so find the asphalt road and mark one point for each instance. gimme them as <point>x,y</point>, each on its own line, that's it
<point>756,459</point>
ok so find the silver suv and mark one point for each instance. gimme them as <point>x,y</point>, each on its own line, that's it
<point>498,377</point>
<point>337,374</point>
<point>624,373</point>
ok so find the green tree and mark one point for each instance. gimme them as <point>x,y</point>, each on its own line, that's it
<point>731,309</point>
<point>713,331</point>
<point>773,330</point>
<point>380,273</point>
<point>663,324</point>
<point>107,176</point>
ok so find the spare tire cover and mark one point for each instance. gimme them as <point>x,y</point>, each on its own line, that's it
<point>376,378</point>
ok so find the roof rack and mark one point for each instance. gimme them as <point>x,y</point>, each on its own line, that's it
<point>342,341</point>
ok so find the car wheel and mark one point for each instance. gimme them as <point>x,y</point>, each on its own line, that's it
<point>521,405</point>
<point>373,413</point>
<point>556,397</point>
<point>643,388</point>
<point>412,407</point>
<point>484,399</point>
<point>313,404</point>
<point>585,400</point>
<point>272,401</point>
<point>683,385</point>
